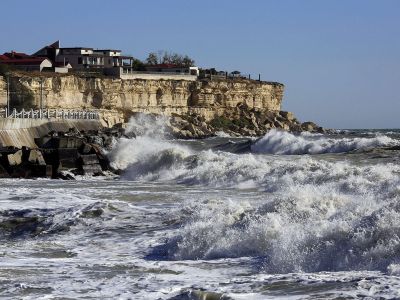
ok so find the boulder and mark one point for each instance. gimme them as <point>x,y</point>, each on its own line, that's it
<point>287,115</point>
<point>309,126</point>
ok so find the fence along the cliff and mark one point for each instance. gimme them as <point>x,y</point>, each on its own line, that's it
<point>50,114</point>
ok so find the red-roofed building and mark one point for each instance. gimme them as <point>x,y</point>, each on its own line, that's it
<point>25,62</point>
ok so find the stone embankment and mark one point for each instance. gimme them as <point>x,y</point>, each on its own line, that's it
<point>60,155</point>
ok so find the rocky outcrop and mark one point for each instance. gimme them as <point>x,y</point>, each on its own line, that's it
<point>240,121</point>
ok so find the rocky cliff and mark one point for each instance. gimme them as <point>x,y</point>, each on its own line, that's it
<point>204,100</point>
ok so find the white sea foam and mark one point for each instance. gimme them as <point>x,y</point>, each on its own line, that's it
<point>282,142</point>
<point>328,225</point>
<point>197,221</point>
<point>316,215</point>
<point>222,134</point>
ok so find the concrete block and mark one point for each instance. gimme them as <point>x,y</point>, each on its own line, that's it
<point>36,157</point>
<point>89,159</point>
<point>92,169</point>
<point>67,163</point>
<point>3,172</point>
<point>67,153</point>
<point>15,159</point>
<point>87,149</point>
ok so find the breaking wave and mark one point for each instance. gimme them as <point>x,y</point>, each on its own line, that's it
<point>315,214</point>
<point>281,142</point>
<point>330,219</point>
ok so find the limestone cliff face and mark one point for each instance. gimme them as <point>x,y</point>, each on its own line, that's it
<point>205,98</point>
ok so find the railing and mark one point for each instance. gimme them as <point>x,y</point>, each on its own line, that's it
<point>229,76</point>
<point>128,71</point>
<point>49,114</point>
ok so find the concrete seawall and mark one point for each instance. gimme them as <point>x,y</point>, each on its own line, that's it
<point>22,132</point>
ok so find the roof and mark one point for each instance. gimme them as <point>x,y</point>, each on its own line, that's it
<point>75,48</point>
<point>24,61</point>
<point>106,50</point>
<point>15,55</point>
<point>56,45</point>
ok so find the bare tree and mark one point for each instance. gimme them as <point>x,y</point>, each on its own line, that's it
<point>165,57</point>
<point>152,59</point>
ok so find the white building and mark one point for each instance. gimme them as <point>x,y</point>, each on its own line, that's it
<point>81,58</point>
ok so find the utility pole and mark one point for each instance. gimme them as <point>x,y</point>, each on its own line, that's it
<point>41,98</point>
<point>8,96</point>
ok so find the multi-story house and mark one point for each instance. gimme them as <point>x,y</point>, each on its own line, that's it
<point>83,58</point>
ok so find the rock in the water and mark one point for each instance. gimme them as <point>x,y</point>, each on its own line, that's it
<point>309,126</point>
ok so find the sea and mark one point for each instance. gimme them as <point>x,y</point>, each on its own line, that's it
<point>283,216</point>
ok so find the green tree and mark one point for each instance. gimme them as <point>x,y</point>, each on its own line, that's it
<point>138,65</point>
<point>187,61</point>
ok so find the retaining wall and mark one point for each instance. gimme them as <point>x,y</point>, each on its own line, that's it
<point>21,132</point>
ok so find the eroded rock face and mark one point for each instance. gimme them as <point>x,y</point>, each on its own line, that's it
<point>198,108</point>
<point>205,98</point>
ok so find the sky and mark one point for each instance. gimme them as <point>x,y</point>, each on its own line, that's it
<point>339,59</point>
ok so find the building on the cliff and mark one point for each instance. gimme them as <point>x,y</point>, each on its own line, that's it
<point>25,62</point>
<point>83,58</point>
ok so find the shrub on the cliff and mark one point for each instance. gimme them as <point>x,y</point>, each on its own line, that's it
<point>243,123</point>
<point>221,122</point>
<point>138,65</point>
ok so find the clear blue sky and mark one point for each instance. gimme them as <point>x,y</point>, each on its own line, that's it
<point>339,59</point>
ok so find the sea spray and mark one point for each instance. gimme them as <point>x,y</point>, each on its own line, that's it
<point>150,151</point>
<point>315,215</point>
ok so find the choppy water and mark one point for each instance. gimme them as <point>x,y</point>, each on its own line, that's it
<point>288,216</point>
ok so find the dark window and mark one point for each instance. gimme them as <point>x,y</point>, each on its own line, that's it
<point>79,60</point>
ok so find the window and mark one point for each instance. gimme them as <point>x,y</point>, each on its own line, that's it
<point>79,60</point>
